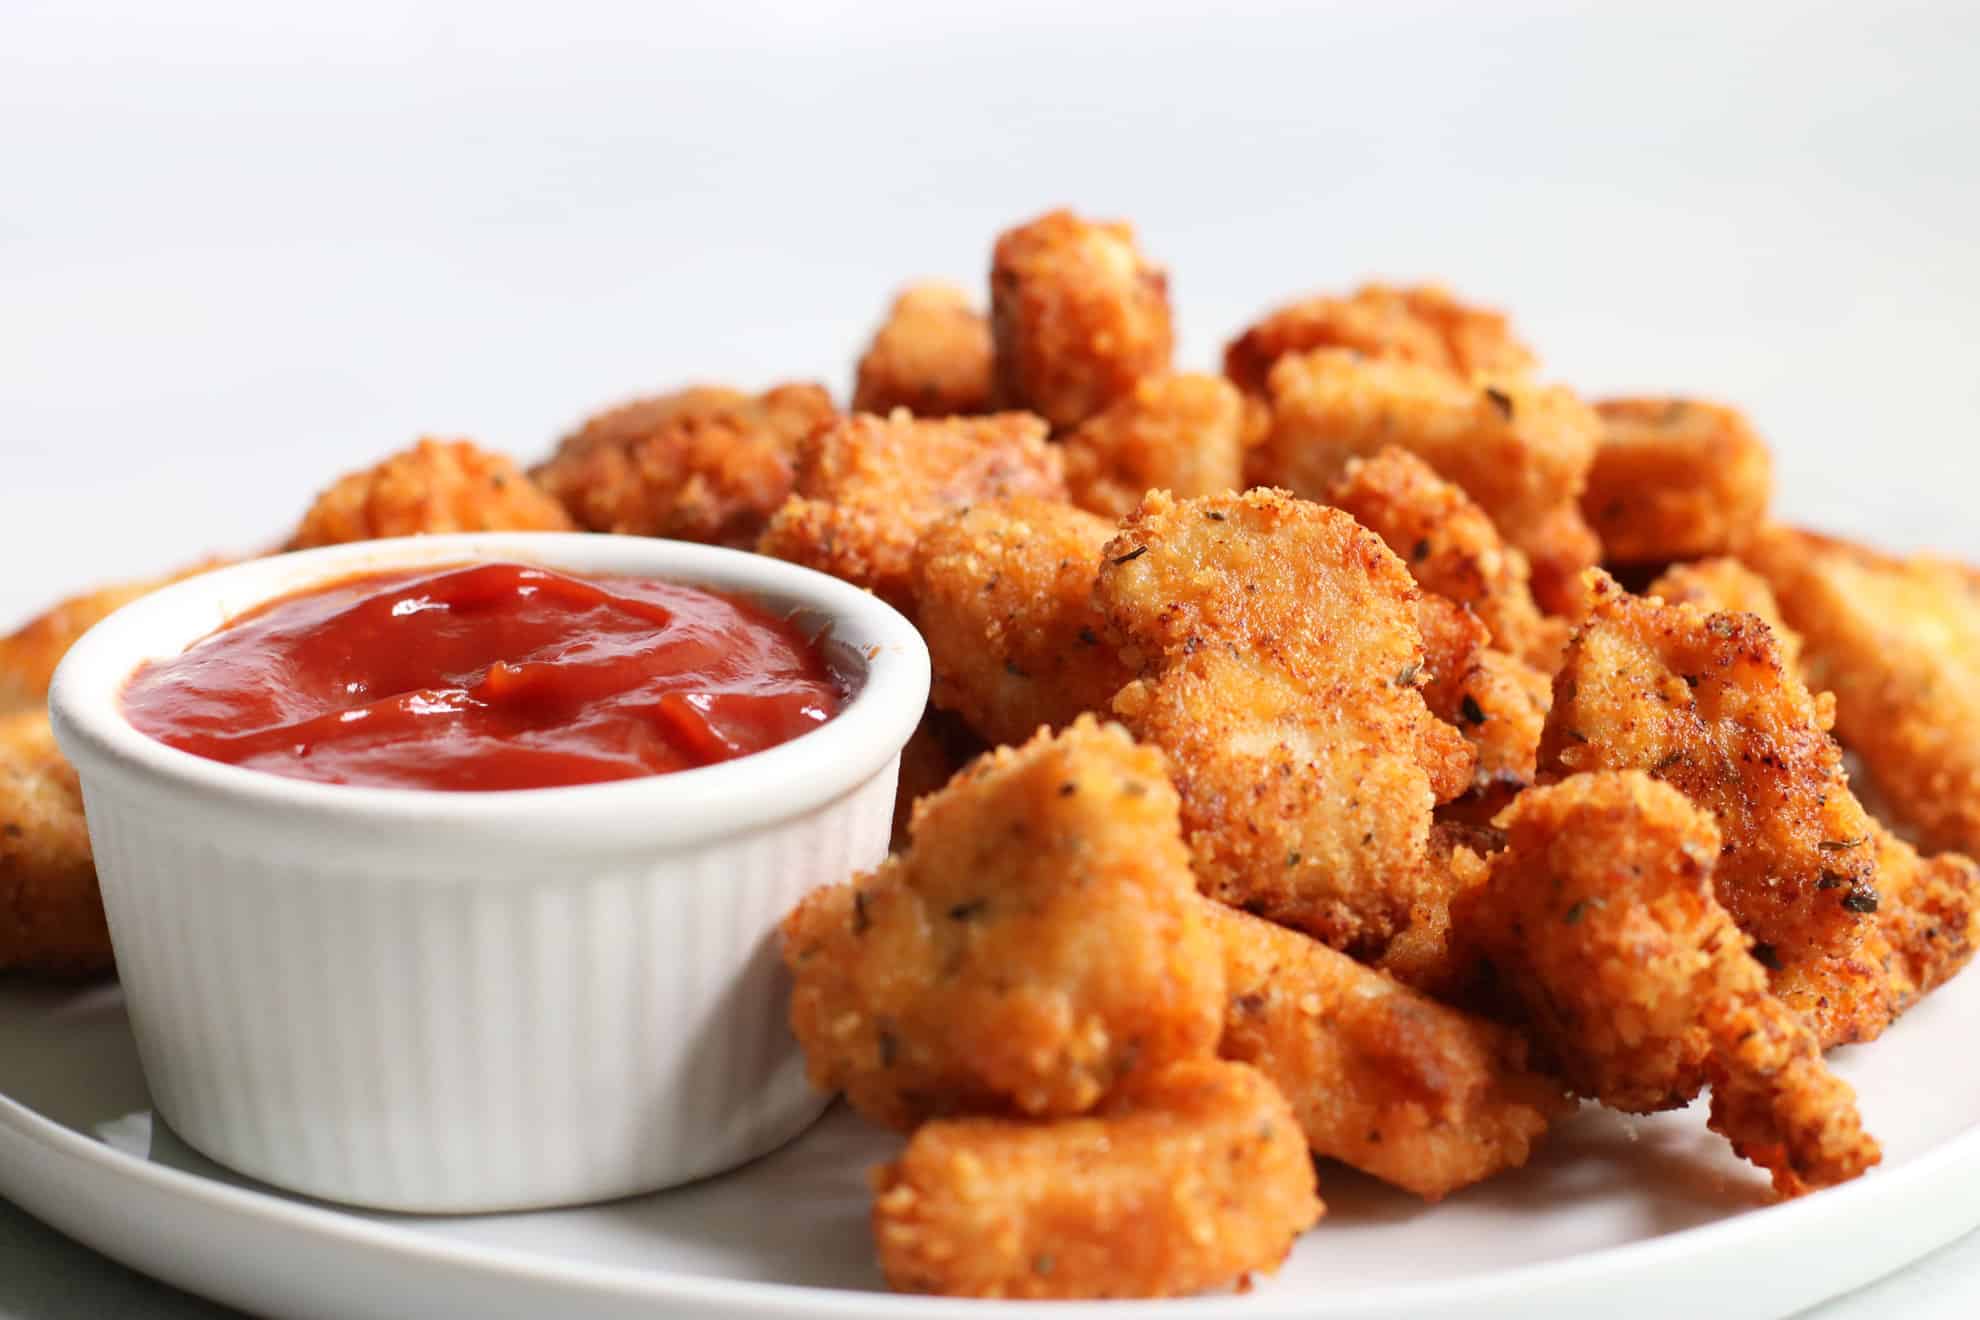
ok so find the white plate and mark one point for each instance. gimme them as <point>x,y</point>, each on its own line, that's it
<point>1625,1217</point>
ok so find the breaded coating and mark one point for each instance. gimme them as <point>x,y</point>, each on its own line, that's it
<point>29,655</point>
<point>1702,702</point>
<point>1898,642</point>
<point>1520,450</point>
<point>931,356</point>
<point>1182,433</point>
<point>1599,925</point>
<point>1675,479</point>
<point>1382,1078</point>
<point>1193,1181</point>
<point>1078,314</point>
<point>1038,944</point>
<point>1496,701</point>
<point>700,464</point>
<point>1716,585</point>
<point>1451,548</point>
<point>51,915</point>
<point>1419,323</point>
<point>436,486</point>
<point>1421,956</point>
<point>1278,659</point>
<point>1003,593</point>
<point>939,746</point>
<point>868,487</point>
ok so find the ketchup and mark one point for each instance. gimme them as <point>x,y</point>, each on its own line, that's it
<point>488,677</point>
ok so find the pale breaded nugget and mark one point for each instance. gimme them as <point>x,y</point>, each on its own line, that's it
<point>51,916</point>
<point>1598,922</point>
<point>1003,593</point>
<point>1451,548</point>
<point>932,356</point>
<point>1675,479</point>
<point>1702,702</point>
<point>436,486</point>
<point>1381,1077</point>
<point>1038,944</point>
<point>1722,583</point>
<point>1419,323</point>
<point>1279,658</point>
<point>29,655</point>
<point>700,464</point>
<point>1193,1180</point>
<point>868,487</point>
<point>1182,433</point>
<point>1078,314</point>
<point>1898,642</point>
<point>1520,450</point>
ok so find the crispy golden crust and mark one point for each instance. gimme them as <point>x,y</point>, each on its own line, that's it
<point>1717,585</point>
<point>1003,592</point>
<point>51,916</point>
<point>1192,1182</point>
<point>1497,702</point>
<point>1078,314</point>
<point>931,356</point>
<point>1183,434</point>
<point>1521,451</point>
<point>868,487</point>
<point>29,655</point>
<point>1279,655</point>
<point>939,746</point>
<point>1898,642</point>
<point>1381,1077</point>
<point>700,464</point>
<point>1599,926</point>
<point>1421,956</point>
<point>1702,702</point>
<point>1675,479</point>
<point>1038,943</point>
<point>436,486</point>
<point>1423,323</point>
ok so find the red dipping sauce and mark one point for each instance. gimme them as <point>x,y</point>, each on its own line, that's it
<point>488,677</point>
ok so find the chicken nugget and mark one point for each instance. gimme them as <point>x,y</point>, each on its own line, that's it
<point>1038,944</point>
<point>1279,660</point>
<point>1702,702</point>
<point>1722,583</point>
<point>29,655</point>
<point>51,915</point>
<point>1675,479</point>
<point>1420,323</point>
<point>1898,642</point>
<point>1194,1180</point>
<point>1182,433</point>
<point>939,746</point>
<point>1421,956</point>
<point>1382,1078</point>
<point>700,464</point>
<point>868,487</point>
<point>1496,701</point>
<point>1003,592</point>
<point>1598,923</point>
<point>1078,315</point>
<point>1520,450</point>
<point>436,486</point>
<point>932,356</point>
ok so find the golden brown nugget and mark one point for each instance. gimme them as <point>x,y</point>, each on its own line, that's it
<point>1520,450</point>
<point>700,464</point>
<point>1003,593</point>
<point>868,487</point>
<point>939,746</point>
<point>436,486</point>
<point>1421,957</point>
<point>1195,1180</point>
<point>1451,548</point>
<point>1038,944</point>
<point>1675,479</point>
<point>1421,323</point>
<point>1702,702</point>
<point>932,356</point>
<point>1898,642</point>
<point>1723,583</point>
<point>29,655</point>
<point>1496,701</point>
<point>1381,1077</point>
<point>1279,660</point>
<point>51,915</point>
<point>1182,433</point>
<point>1078,315</point>
<point>1599,923</point>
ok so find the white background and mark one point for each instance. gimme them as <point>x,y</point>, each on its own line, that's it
<point>244,248</point>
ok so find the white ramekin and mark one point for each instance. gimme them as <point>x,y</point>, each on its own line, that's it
<point>445,1002</point>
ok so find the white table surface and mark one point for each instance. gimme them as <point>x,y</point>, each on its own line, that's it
<point>244,248</point>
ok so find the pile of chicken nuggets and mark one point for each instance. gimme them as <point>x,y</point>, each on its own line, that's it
<point>1300,778</point>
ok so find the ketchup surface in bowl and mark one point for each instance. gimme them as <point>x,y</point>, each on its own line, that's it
<point>494,676</point>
